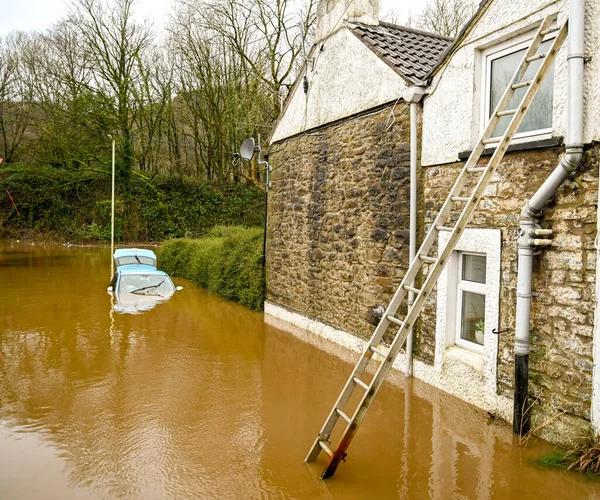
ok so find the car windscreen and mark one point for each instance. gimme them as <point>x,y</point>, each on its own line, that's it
<point>135,259</point>
<point>146,284</point>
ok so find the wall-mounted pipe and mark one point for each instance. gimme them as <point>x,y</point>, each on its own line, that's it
<point>412,95</point>
<point>533,210</point>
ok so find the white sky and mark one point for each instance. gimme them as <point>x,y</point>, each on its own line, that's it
<point>29,15</point>
<point>26,15</point>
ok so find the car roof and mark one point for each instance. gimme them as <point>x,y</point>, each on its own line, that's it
<point>132,252</point>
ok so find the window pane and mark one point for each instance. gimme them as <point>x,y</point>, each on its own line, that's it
<point>539,115</point>
<point>472,321</point>
<point>133,259</point>
<point>473,268</point>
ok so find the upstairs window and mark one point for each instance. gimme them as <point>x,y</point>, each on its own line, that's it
<point>499,65</point>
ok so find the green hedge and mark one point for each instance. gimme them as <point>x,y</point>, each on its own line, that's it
<point>75,205</point>
<point>226,262</point>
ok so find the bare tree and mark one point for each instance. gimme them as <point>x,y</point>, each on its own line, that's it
<point>152,94</point>
<point>114,44</point>
<point>181,106</point>
<point>15,94</point>
<point>269,35</point>
<point>445,17</point>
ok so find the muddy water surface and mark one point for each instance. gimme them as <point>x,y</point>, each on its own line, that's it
<point>199,398</point>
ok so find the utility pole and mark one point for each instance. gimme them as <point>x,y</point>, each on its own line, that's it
<point>268,169</point>
<point>112,212</point>
<point>247,151</point>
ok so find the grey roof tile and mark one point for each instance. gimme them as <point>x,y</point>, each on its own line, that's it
<point>411,53</point>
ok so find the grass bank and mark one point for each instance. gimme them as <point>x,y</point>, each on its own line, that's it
<point>60,204</point>
<point>226,262</point>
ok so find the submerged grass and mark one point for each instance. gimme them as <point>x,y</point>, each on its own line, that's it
<point>226,262</point>
<point>584,458</point>
<point>556,459</point>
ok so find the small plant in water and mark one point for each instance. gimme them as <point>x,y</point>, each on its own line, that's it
<point>556,459</point>
<point>585,457</point>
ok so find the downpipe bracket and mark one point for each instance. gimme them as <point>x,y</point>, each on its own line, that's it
<point>531,235</point>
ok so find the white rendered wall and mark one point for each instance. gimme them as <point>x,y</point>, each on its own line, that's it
<point>331,14</point>
<point>344,78</point>
<point>451,112</point>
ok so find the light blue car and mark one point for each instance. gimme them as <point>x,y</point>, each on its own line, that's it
<point>137,284</point>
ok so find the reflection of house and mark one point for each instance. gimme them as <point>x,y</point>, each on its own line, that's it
<point>339,207</point>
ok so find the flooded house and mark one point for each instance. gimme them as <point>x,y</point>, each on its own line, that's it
<point>381,115</point>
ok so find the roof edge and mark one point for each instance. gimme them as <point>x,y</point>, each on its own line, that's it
<point>379,55</point>
<point>483,5</point>
<point>414,30</point>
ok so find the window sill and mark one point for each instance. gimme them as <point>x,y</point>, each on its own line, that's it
<point>465,356</point>
<point>552,142</point>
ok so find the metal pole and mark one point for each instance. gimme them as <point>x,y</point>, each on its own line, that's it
<point>112,214</point>
<point>264,257</point>
<point>408,370</point>
<point>267,186</point>
<point>532,211</point>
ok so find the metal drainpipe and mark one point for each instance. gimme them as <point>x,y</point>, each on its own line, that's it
<point>412,95</point>
<point>530,230</point>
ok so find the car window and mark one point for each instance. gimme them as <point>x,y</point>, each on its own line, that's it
<point>154,283</point>
<point>132,259</point>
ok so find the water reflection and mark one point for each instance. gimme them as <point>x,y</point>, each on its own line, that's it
<point>131,303</point>
<point>199,398</point>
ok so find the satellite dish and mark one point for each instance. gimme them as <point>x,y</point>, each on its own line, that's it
<point>247,149</point>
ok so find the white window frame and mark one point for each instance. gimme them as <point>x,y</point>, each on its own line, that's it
<point>497,51</point>
<point>467,286</point>
<point>475,368</point>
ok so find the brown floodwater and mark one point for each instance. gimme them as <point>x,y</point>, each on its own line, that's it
<point>200,398</point>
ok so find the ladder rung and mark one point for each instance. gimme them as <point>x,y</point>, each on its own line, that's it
<point>521,84</point>
<point>343,415</point>
<point>360,383</point>
<point>550,30</point>
<point>377,351</point>
<point>396,321</point>
<point>475,170</point>
<point>325,448</point>
<point>507,112</point>
<point>460,198</point>
<point>411,289</point>
<point>445,228</point>
<point>489,141</point>
<point>426,258</point>
<point>536,57</point>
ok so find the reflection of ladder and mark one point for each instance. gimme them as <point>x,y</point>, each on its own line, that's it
<point>461,202</point>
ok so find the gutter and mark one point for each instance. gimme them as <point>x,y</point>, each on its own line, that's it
<point>530,231</point>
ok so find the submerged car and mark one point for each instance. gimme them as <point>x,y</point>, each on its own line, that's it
<point>137,284</point>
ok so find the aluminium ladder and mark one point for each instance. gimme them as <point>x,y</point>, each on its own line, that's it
<point>465,204</point>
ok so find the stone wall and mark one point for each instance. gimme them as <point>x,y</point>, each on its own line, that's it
<point>338,246</point>
<point>564,276</point>
<point>339,217</point>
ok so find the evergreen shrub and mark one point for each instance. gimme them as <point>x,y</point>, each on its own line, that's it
<point>226,262</point>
